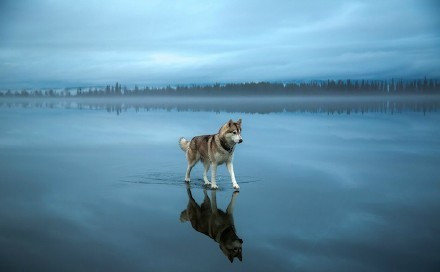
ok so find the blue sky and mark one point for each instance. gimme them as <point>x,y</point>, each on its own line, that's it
<point>51,43</point>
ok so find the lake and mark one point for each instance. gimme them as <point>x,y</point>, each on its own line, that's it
<point>327,184</point>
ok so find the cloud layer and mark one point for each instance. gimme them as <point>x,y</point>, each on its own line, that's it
<point>70,43</point>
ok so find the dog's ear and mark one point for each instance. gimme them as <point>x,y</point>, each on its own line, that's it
<point>239,121</point>
<point>231,258</point>
<point>184,216</point>
<point>240,257</point>
<point>230,123</point>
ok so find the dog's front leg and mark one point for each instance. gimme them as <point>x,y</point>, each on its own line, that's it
<point>213,176</point>
<point>231,172</point>
<point>230,209</point>
<point>214,209</point>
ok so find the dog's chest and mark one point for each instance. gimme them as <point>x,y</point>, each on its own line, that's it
<point>221,157</point>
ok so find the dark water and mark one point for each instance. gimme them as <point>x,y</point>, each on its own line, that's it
<point>82,189</point>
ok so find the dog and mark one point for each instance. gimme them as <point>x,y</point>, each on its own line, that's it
<point>215,223</point>
<point>213,150</point>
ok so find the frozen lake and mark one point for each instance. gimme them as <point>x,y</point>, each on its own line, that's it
<point>325,185</point>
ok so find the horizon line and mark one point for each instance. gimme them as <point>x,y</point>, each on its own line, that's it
<point>174,85</point>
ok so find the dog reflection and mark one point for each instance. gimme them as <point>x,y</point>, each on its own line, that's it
<point>215,223</point>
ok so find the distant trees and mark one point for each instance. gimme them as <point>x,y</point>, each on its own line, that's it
<point>316,87</point>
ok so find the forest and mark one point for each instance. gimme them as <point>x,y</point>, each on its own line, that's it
<point>316,87</point>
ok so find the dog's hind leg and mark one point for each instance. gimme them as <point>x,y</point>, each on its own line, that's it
<point>188,170</point>
<point>206,204</point>
<point>205,172</point>
<point>185,215</point>
<point>214,201</point>
<point>193,157</point>
<point>188,191</point>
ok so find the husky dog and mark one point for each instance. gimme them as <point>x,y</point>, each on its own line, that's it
<point>213,150</point>
<point>215,223</point>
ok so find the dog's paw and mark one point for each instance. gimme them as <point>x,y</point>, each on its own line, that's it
<point>207,183</point>
<point>236,187</point>
<point>214,186</point>
<point>187,180</point>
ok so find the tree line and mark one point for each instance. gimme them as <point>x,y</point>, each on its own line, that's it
<point>318,87</point>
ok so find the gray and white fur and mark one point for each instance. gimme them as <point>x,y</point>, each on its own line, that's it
<point>213,150</point>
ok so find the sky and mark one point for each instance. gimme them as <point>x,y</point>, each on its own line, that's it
<point>50,43</point>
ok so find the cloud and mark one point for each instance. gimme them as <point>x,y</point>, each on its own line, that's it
<point>160,42</point>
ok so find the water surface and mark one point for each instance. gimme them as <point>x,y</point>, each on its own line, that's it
<point>85,189</point>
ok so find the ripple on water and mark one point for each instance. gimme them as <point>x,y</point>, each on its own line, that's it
<point>176,179</point>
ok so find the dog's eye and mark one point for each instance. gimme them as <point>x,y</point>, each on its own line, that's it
<point>235,132</point>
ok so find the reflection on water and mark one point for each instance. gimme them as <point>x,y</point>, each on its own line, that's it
<point>206,218</point>
<point>83,190</point>
<point>330,105</point>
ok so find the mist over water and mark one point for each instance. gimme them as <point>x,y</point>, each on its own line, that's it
<point>327,184</point>
<point>332,104</point>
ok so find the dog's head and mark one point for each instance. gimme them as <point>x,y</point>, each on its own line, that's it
<point>231,247</point>
<point>232,131</point>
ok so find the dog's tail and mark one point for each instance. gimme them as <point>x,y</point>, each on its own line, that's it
<point>184,144</point>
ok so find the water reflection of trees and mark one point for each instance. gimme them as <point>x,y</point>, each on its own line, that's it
<point>329,105</point>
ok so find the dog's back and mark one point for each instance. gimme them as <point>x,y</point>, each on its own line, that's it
<point>198,147</point>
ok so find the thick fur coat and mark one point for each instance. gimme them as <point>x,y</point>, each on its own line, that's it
<point>213,150</point>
